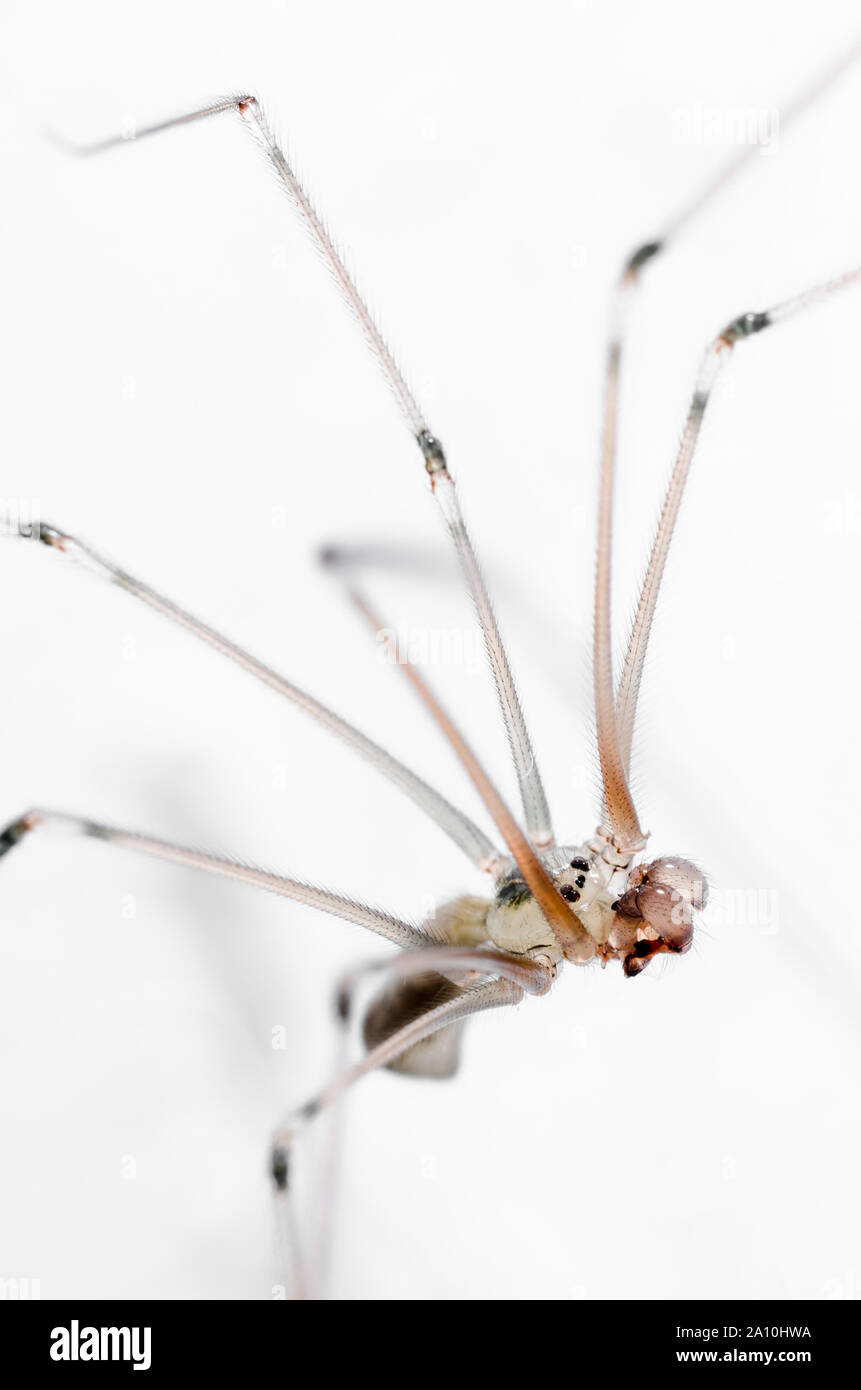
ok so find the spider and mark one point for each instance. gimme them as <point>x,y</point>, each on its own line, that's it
<point>599,900</point>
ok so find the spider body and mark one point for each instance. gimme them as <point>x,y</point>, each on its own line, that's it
<point>549,903</point>
<point>619,910</point>
<point>630,915</point>
<point>516,923</point>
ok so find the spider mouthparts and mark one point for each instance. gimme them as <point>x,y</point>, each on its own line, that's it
<point>636,961</point>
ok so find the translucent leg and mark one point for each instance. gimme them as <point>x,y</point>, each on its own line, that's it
<point>622,827</point>
<point>714,358</point>
<point>466,835</point>
<point>465,968</point>
<point>536,810</point>
<point>493,995</point>
<point>383,923</point>
<point>565,926</point>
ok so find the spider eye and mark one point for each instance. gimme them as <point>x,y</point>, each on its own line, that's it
<point>682,875</point>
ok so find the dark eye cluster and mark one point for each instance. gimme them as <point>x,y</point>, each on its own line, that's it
<point>580,880</point>
<point>570,894</point>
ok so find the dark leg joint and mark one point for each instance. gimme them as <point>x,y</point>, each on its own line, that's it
<point>342,1003</point>
<point>434,455</point>
<point>330,556</point>
<point>744,327</point>
<point>644,253</point>
<point>96,831</point>
<point>13,833</point>
<point>280,1168</point>
<point>49,535</point>
<point>309,1109</point>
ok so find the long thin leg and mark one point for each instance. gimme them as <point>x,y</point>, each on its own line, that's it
<point>402,933</point>
<point>565,925</point>
<point>790,110</point>
<point>351,556</point>
<point>493,995</point>
<point>614,748</point>
<point>474,1000</point>
<point>535,807</point>
<point>713,360</point>
<point>466,835</point>
<point>300,1280</point>
<point>392,928</point>
<point>462,964</point>
<point>516,974</point>
<point>536,810</point>
<point>630,277</point>
<point>420,950</point>
<point>464,967</point>
<point>623,826</point>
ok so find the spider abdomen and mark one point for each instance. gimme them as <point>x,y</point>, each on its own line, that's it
<point>404,1001</point>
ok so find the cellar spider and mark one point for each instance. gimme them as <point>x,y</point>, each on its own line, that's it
<point>599,900</point>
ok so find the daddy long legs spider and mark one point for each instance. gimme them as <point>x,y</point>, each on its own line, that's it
<point>622,931</point>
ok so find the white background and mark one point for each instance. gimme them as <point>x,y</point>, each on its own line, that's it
<point>182,388</point>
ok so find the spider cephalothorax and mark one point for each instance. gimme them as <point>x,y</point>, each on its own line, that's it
<point>619,911</point>
<point>627,914</point>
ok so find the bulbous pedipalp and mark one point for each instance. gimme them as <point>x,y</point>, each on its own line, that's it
<point>668,913</point>
<point>680,874</point>
<point>656,912</point>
